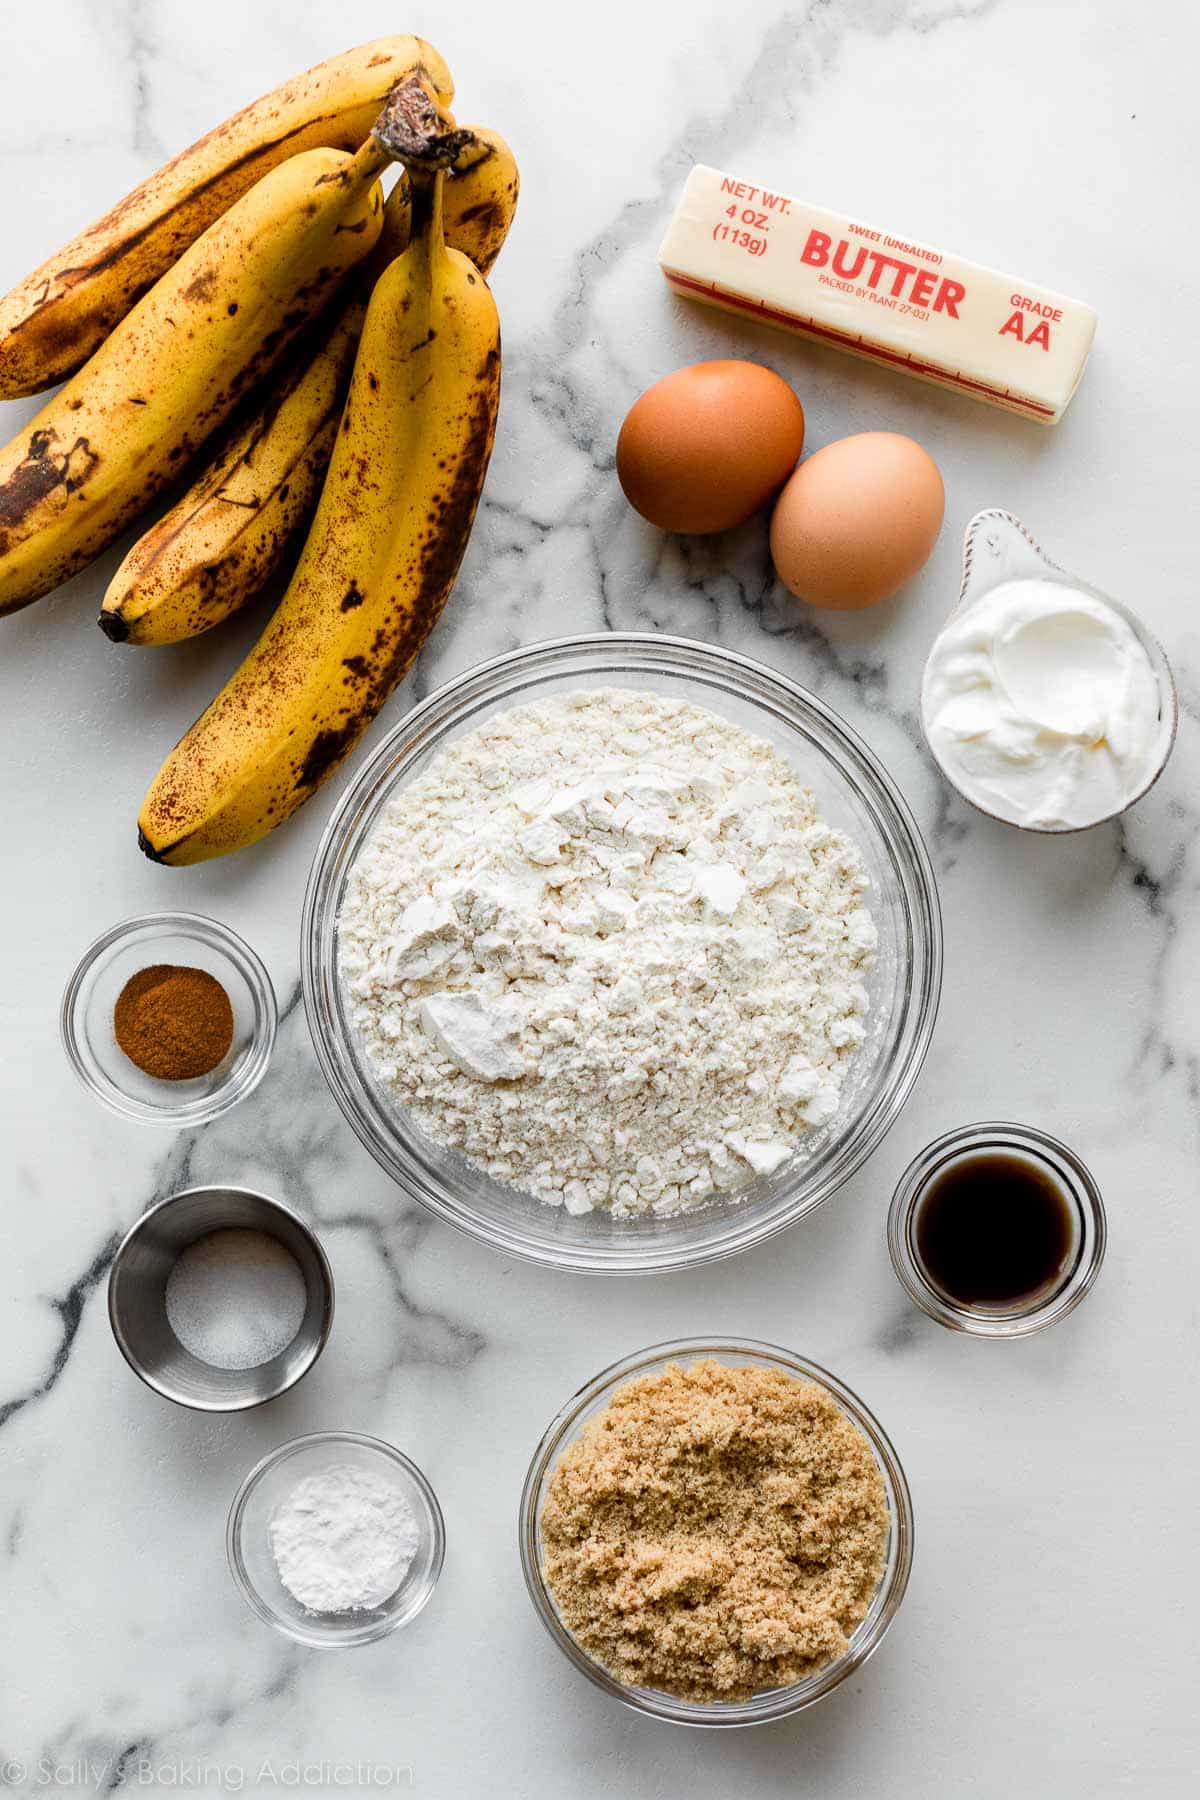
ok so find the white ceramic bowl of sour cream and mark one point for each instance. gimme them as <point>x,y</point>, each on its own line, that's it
<point>1046,704</point>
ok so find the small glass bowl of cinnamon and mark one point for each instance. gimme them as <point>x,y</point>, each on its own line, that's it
<point>169,1018</point>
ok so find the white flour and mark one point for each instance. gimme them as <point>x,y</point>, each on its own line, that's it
<point>606,948</point>
<point>343,1540</point>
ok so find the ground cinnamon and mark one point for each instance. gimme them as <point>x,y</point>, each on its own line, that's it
<point>175,1023</point>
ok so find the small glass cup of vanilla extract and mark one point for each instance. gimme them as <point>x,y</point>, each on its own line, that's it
<point>997,1229</point>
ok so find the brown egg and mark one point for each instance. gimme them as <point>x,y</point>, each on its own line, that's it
<point>708,446</point>
<point>857,520</point>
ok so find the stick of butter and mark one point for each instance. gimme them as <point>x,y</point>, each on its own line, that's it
<point>938,317</point>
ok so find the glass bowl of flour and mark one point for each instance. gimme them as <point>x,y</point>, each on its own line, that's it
<point>621,953</point>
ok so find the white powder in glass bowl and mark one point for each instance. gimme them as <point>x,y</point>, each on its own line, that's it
<point>606,948</point>
<point>343,1540</point>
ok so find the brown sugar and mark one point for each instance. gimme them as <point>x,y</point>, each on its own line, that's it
<point>715,1530</point>
<point>175,1023</point>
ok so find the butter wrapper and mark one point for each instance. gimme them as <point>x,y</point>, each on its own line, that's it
<point>926,312</point>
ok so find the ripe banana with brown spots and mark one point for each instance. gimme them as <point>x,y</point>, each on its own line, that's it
<point>232,531</point>
<point>174,369</point>
<point>51,322</point>
<point>224,538</point>
<point>481,197</point>
<point>379,562</point>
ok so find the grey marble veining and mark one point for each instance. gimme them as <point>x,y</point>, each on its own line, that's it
<point>1044,1646</point>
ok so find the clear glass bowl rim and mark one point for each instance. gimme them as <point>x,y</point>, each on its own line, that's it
<point>1041,1147</point>
<point>369,1632</point>
<point>643,653</point>
<point>773,1703</point>
<point>240,1083</point>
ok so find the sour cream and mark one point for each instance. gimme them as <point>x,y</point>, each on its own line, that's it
<point>1042,706</point>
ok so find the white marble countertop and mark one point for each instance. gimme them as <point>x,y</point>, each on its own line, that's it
<point>1044,1646</point>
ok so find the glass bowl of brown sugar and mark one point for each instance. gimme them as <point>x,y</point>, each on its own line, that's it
<point>169,1018</point>
<point>629,1515</point>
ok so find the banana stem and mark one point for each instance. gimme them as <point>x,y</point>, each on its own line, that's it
<point>414,130</point>
<point>427,222</point>
<point>370,160</point>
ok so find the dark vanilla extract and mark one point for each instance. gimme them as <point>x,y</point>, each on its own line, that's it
<point>994,1229</point>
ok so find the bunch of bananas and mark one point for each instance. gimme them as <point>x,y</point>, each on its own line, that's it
<point>254,333</point>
